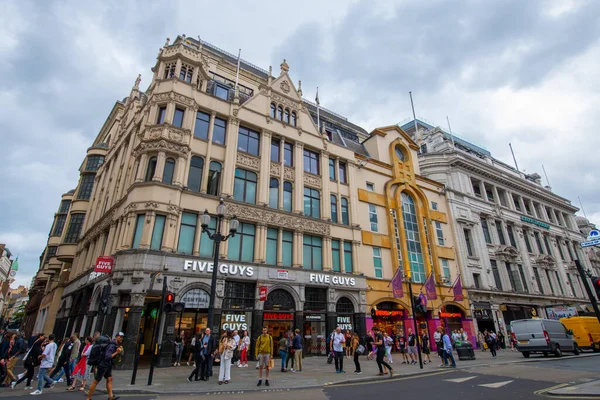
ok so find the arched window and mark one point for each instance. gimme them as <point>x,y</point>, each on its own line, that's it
<point>151,169</point>
<point>334,210</point>
<point>345,216</point>
<point>244,186</point>
<point>169,171</point>
<point>286,116</point>
<point>293,118</point>
<point>195,175</point>
<point>280,113</point>
<point>214,178</point>
<point>274,193</point>
<point>413,240</point>
<point>287,196</point>
<point>273,110</point>
<point>344,306</point>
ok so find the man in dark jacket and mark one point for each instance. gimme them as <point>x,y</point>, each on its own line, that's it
<point>31,360</point>
<point>209,347</point>
<point>63,362</point>
<point>17,350</point>
<point>104,369</point>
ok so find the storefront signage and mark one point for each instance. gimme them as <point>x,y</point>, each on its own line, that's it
<point>559,312</point>
<point>283,274</point>
<point>263,293</point>
<point>104,264</point>
<point>450,315</point>
<point>313,317</point>
<point>535,222</point>
<point>94,275</point>
<point>344,323</point>
<point>224,268</point>
<point>482,314</point>
<point>234,322</point>
<point>195,298</point>
<point>332,280</point>
<point>389,313</point>
<point>278,316</point>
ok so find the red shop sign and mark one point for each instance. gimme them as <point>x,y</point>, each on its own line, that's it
<point>389,313</point>
<point>450,315</point>
<point>278,316</point>
<point>263,293</point>
<point>104,264</point>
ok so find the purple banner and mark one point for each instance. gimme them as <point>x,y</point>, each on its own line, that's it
<point>457,290</point>
<point>430,288</point>
<point>397,288</point>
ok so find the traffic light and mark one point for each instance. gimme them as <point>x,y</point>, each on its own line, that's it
<point>105,299</point>
<point>596,283</point>
<point>419,308</point>
<point>169,302</point>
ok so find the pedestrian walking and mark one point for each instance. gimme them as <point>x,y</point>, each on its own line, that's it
<point>389,343</point>
<point>347,346</point>
<point>236,352</point>
<point>244,349</point>
<point>197,351</point>
<point>357,349</point>
<point>30,361</point>
<point>291,351</point>
<point>226,349</point>
<point>297,346</point>
<point>63,363</point>
<point>337,347</point>
<point>481,341</point>
<point>179,348</point>
<point>437,338</point>
<point>412,346</point>
<point>283,350</point>
<point>17,350</point>
<point>381,353</point>
<point>447,349</point>
<point>210,346</point>
<point>370,350</point>
<point>192,350</point>
<point>104,369</point>
<point>425,346</point>
<point>81,371</point>
<point>501,340</point>
<point>264,353</point>
<point>491,342</point>
<point>46,362</point>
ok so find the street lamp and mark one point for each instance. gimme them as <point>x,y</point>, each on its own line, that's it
<point>217,237</point>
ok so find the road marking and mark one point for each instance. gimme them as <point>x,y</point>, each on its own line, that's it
<point>543,391</point>
<point>460,380</point>
<point>394,379</point>
<point>495,385</point>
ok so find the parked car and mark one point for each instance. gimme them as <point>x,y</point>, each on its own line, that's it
<point>586,331</point>
<point>542,336</point>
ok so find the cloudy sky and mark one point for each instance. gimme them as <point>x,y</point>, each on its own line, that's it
<point>524,72</point>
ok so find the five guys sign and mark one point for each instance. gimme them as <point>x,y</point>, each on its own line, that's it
<point>104,264</point>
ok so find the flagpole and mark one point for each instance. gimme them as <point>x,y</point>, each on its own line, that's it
<point>417,138</point>
<point>318,106</point>
<point>237,72</point>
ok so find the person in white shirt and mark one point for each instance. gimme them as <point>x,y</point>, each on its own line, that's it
<point>236,352</point>
<point>337,347</point>
<point>47,358</point>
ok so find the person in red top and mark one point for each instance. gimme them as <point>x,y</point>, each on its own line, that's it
<point>82,370</point>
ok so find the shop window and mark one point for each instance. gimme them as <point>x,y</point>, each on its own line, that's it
<point>272,235</point>
<point>151,169</point>
<point>207,246</point>
<point>486,231</point>
<point>287,244</point>
<point>187,231</point>
<point>214,178</point>
<point>202,125</point>
<point>335,255</point>
<point>274,193</point>
<point>413,241</point>
<point>74,228</point>
<point>280,300</point>
<point>344,208</point>
<point>157,232</point>
<point>500,232</point>
<point>241,246</point>
<point>334,212</point>
<point>377,264</point>
<point>168,171</point>
<point>373,218</point>
<point>288,154</point>
<point>275,150</point>
<point>287,196</point>
<point>219,130</point>
<point>195,174</point>
<point>139,228</point>
<point>248,141</point>
<point>315,299</point>
<point>312,252</point>
<point>239,295</point>
<point>348,268</point>
<point>312,202</point>
<point>244,187</point>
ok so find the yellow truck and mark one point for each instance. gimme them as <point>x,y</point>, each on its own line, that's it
<point>586,331</point>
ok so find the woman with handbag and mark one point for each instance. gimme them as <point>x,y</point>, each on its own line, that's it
<point>357,350</point>
<point>82,370</point>
<point>226,348</point>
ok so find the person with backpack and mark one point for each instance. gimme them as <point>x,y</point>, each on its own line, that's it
<point>264,353</point>
<point>283,350</point>
<point>30,361</point>
<point>357,349</point>
<point>381,353</point>
<point>108,353</point>
<point>196,351</point>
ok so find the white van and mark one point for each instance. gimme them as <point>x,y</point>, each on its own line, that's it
<point>542,336</point>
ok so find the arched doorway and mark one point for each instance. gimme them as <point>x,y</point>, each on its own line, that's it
<point>389,317</point>
<point>345,314</point>
<point>451,317</point>
<point>279,315</point>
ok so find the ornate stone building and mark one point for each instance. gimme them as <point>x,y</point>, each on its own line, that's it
<point>516,239</point>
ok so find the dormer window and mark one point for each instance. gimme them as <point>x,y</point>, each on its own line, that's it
<point>400,153</point>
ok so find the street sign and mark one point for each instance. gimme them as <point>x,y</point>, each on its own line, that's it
<point>590,243</point>
<point>593,235</point>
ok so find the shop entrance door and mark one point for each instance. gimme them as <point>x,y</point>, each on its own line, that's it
<point>314,338</point>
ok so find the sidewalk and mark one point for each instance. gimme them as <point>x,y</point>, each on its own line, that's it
<point>315,373</point>
<point>588,389</point>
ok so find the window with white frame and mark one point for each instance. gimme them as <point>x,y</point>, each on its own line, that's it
<point>377,264</point>
<point>439,233</point>
<point>446,276</point>
<point>373,217</point>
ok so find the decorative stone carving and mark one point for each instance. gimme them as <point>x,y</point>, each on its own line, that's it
<point>220,288</point>
<point>151,204</point>
<point>137,277</point>
<point>175,284</point>
<point>248,161</point>
<point>312,180</point>
<point>288,173</point>
<point>275,169</point>
<point>162,97</point>
<point>285,101</point>
<point>173,208</point>
<point>273,218</point>
<point>285,87</point>
<point>161,145</point>
<point>137,300</point>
